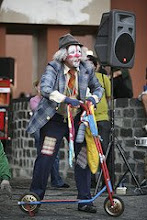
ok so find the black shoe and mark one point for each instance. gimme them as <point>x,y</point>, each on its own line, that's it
<point>87,208</point>
<point>65,185</point>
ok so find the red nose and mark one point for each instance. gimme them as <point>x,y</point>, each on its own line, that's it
<point>75,55</point>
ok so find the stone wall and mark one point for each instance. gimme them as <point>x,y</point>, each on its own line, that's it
<point>129,120</point>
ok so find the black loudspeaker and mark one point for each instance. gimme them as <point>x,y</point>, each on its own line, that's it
<point>115,41</point>
<point>7,68</point>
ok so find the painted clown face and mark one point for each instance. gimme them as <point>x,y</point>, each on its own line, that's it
<point>74,56</point>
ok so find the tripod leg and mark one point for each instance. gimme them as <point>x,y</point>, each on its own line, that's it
<point>129,168</point>
<point>98,183</point>
<point>122,178</point>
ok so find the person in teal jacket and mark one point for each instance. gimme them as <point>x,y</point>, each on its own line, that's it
<point>5,174</point>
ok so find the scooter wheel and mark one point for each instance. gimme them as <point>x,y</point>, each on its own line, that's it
<point>29,208</point>
<point>115,210</point>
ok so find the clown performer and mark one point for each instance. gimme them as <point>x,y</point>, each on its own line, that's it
<point>64,82</point>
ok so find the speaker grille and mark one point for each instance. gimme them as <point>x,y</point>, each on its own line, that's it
<point>124,48</point>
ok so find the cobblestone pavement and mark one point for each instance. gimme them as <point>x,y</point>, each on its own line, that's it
<point>135,205</point>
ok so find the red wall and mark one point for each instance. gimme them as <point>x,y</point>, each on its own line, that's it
<point>20,48</point>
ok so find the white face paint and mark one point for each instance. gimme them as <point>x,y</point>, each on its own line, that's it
<point>74,56</point>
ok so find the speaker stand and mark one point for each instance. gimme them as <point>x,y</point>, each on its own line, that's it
<point>129,169</point>
<point>110,149</point>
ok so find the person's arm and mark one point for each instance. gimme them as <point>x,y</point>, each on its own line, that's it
<point>108,90</point>
<point>34,101</point>
<point>48,85</point>
<point>5,173</point>
<point>124,73</point>
<point>107,85</point>
<point>95,87</point>
<point>122,84</point>
<point>117,73</point>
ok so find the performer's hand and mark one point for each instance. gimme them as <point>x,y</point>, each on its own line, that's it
<point>92,100</point>
<point>72,102</point>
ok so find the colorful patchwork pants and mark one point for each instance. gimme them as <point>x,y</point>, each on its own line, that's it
<point>51,136</point>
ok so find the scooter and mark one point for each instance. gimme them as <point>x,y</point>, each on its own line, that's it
<point>113,205</point>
